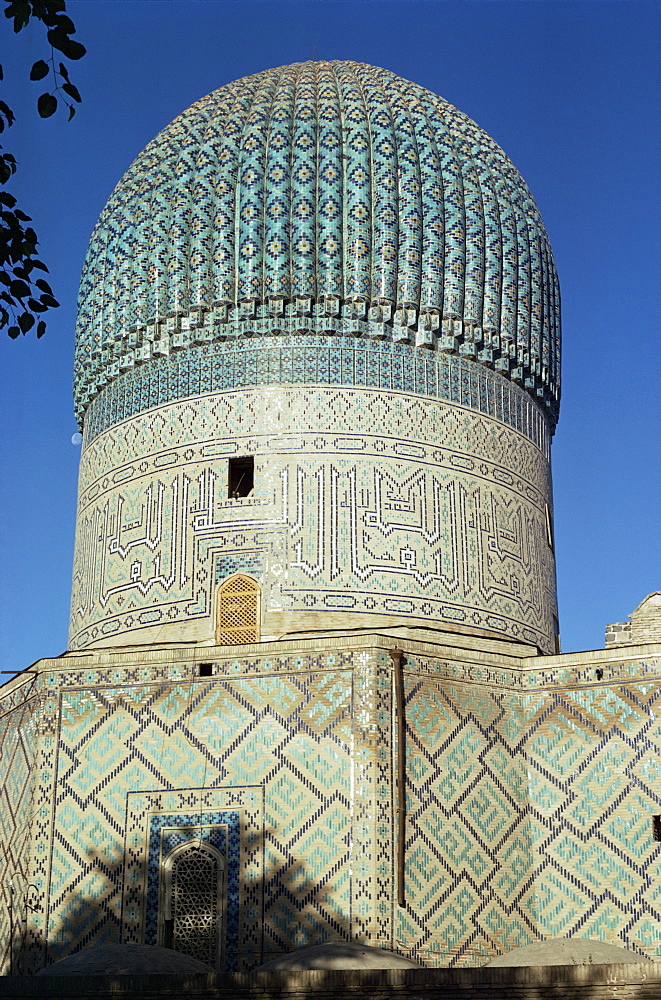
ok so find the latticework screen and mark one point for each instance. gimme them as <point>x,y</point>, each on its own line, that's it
<point>195,877</point>
<point>238,612</point>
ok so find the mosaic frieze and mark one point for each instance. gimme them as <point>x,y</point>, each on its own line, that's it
<point>286,361</point>
<point>326,197</point>
<point>396,506</point>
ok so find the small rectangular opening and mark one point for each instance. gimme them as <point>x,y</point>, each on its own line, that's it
<point>556,635</point>
<point>206,669</point>
<point>549,527</point>
<point>241,477</point>
<point>656,827</point>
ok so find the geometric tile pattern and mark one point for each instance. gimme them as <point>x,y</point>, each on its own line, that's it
<point>285,761</point>
<point>19,715</point>
<point>367,503</point>
<point>530,816</point>
<point>315,360</point>
<point>327,197</point>
<point>529,795</point>
<point>235,833</point>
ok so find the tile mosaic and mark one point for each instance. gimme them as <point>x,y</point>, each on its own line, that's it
<point>407,208</point>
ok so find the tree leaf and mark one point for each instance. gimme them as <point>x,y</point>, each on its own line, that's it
<point>65,24</point>
<point>7,165</point>
<point>67,46</point>
<point>7,112</point>
<point>20,11</point>
<point>44,286</point>
<point>41,328</point>
<point>39,70</point>
<point>64,72</point>
<point>26,322</point>
<point>47,105</point>
<point>19,289</point>
<point>49,301</point>
<point>72,111</point>
<point>47,17</point>
<point>72,91</point>
<point>14,332</point>
<point>2,75</point>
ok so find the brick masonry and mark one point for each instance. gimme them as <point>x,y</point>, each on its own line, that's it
<point>531,785</point>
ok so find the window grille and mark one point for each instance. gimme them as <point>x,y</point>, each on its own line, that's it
<point>192,902</point>
<point>238,611</point>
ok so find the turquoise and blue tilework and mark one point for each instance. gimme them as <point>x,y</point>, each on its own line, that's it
<point>368,502</point>
<point>19,726</point>
<point>530,794</point>
<point>326,198</point>
<point>157,746</point>
<point>530,814</point>
<point>221,830</point>
<point>341,361</point>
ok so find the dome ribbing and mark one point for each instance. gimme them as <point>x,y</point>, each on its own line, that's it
<point>321,198</point>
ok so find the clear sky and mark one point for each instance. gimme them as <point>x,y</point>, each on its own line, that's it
<point>570,90</point>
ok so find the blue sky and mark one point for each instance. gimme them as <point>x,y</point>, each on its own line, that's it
<point>569,89</point>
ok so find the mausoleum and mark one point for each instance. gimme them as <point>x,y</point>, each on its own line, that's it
<point>314,688</point>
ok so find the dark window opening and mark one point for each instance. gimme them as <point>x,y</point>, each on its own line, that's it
<point>206,669</point>
<point>556,635</point>
<point>241,477</point>
<point>656,827</point>
<point>168,933</point>
<point>549,527</point>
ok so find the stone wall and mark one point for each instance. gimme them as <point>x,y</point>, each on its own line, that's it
<point>645,624</point>
<point>583,982</point>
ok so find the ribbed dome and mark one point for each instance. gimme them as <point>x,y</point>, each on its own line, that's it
<point>322,197</point>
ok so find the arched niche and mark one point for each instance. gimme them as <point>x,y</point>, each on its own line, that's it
<point>238,611</point>
<point>192,904</point>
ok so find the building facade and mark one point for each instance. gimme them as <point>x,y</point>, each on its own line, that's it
<point>314,688</point>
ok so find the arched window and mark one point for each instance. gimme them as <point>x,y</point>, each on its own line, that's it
<point>237,619</point>
<point>192,903</point>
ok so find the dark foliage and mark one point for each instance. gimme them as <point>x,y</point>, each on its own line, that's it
<point>24,296</point>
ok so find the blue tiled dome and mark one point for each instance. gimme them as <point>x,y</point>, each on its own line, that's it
<point>321,198</point>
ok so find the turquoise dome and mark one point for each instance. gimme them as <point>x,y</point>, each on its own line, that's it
<point>321,198</point>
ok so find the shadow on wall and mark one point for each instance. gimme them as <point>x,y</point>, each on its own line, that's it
<point>216,915</point>
<point>20,901</point>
